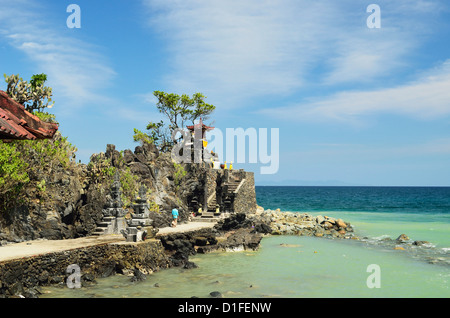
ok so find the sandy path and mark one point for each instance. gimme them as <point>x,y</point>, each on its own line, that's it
<point>38,247</point>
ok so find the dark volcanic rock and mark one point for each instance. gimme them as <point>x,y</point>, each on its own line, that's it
<point>215,294</point>
<point>242,238</point>
<point>138,276</point>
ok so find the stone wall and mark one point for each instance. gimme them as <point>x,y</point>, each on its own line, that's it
<point>23,276</point>
<point>245,200</point>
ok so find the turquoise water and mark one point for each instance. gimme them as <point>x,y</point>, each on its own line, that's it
<point>291,266</point>
<point>423,213</point>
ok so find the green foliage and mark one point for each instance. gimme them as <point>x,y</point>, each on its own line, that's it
<point>33,95</point>
<point>13,169</point>
<point>142,137</point>
<point>178,110</point>
<point>200,108</point>
<point>47,153</point>
<point>22,161</point>
<point>153,207</point>
<point>38,80</point>
<point>129,183</point>
<point>45,117</point>
<point>180,173</point>
<point>160,135</point>
<point>41,186</point>
<point>101,171</point>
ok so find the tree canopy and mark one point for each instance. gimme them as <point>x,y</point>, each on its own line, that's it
<point>178,110</point>
<point>33,95</point>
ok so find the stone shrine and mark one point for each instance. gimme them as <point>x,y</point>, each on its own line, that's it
<point>113,221</point>
<point>114,205</point>
<point>140,224</point>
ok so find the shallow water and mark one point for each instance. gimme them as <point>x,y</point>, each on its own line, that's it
<point>284,266</point>
<point>292,266</point>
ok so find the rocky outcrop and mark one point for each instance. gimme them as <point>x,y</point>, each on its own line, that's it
<point>182,245</point>
<point>62,202</point>
<point>47,206</point>
<point>276,222</point>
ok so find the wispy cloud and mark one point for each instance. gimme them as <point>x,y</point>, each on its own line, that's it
<point>255,48</point>
<point>75,69</point>
<point>426,98</point>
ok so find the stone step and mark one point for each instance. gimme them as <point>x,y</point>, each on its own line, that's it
<point>99,231</point>
<point>103,224</point>
<point>232,187</point>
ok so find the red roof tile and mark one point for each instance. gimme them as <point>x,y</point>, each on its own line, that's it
<point>17,123</point>
<point>200,124</point>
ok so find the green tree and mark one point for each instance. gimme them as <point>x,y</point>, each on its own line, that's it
<point>33,95</point>
<point>178,110</point>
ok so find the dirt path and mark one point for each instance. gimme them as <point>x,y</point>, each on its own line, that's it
<point>39,247</point>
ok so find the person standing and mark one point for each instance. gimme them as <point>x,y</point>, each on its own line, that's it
<point>174,217</point>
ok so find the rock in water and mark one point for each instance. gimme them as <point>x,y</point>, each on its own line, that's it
<point>138,276</point>
<point>215,294</point>
<point>402,238</point>
<point>189,265</point>
<point>320,219</point>
<point>341,223</point>
<point>420,243</point>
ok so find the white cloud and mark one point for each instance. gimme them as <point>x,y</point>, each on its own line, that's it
<point>253,48</point>
<point>240,47</point>
<point>75,70</point>
<point>426,98</point>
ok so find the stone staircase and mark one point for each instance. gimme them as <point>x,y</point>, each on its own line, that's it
<point>212,204</point>
<point>104,226</point>
<point>231,186</point>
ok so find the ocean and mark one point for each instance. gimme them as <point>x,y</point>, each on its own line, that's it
<point>315,267</point>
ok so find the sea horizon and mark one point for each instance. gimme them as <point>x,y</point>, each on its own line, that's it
<point>362,186</point>
<point>292,266</point>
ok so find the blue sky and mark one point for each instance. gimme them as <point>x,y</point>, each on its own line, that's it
<point>353,105</point>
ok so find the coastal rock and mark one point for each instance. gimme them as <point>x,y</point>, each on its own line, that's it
<point>420,243</point>
<point>302,224</point>
<point>138,276</point>
<point>402,238</point>
<point>340,223</point>
<point>327,225</point>
<point>330,219</point>
<point>216,294</point>
<point>242,238</point>
<point>320,219</point>
<point>189,265</point>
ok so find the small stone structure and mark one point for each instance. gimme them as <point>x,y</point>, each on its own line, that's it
<point>113,221</point>
<point>140,224</point>
<point>135,229</point>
